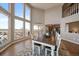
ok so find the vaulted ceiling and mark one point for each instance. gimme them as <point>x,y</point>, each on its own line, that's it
<point>45,6</point>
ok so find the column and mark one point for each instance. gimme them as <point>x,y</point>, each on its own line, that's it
<point>11,22</point>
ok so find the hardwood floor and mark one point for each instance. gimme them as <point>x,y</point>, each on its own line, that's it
<point>22,48</point>
<point>69,49</point>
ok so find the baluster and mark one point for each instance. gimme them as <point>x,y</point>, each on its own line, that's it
<point>78,7</point>
<point>64,13</point>
<point>67,11</point>
<point>75,8</point>
<point>71,11</point>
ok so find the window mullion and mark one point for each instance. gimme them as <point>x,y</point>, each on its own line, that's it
<point>11,22</point>
<point>24,19</point>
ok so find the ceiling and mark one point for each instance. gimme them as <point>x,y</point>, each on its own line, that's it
<point>44,6</point>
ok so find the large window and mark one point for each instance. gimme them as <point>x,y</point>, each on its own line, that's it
<point>5,6</point>
<point>27,28</point>
<point>28,13</point>
<point>7,20</point>
<point>19,9</point>
<point>18,29</point>
<point>3,29</point>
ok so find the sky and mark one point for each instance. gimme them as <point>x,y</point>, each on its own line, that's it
<point>18,12</point>
<point>27,13</point>
<point>19,9</point>
<point>4,5</point>
<point>3,21</point>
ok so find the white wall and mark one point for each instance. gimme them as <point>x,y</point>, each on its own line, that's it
<point>37,16</point>
<point>50,16</point>
<point>53,15</point>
